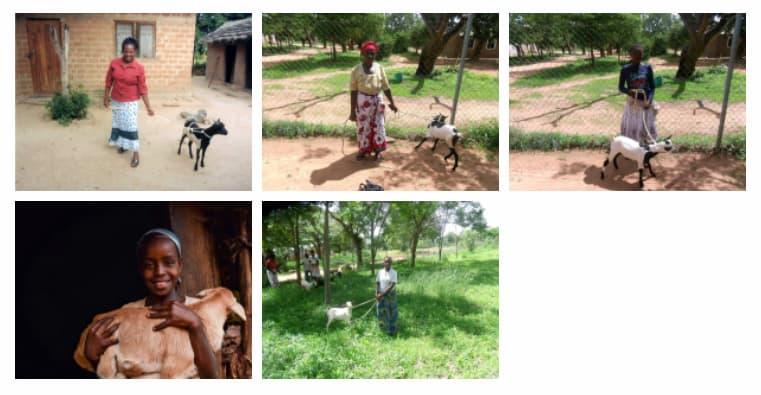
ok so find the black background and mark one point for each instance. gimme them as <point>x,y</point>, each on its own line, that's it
<point>73,261</point>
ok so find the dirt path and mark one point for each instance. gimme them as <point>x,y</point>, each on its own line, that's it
<point>579,170</point>
<point>77,157</point>
<point>319,164</point>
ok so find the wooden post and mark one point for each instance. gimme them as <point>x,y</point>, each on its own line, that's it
<point>199,262</point>
<point>245,282</point>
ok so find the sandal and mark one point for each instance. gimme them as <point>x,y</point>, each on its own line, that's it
<point>121,150</point>
<point>135,162</point>
<point>360,156</point>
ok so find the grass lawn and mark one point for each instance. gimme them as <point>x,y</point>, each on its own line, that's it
<point>448,325</point>
<point>319,63</point>
<point>577,69</point>
<point>709,87</point>
<point>475,86</point>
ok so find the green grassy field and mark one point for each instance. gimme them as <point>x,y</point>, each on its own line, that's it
<point>319,63</point>
<point>707,85</point>
<point>475,86</point>
<point>448,325</point>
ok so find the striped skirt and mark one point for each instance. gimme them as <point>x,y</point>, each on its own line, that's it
<point>632,125</point>
<point>124,125</point>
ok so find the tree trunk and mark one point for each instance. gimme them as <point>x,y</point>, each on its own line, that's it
<point>688,60</point>
<point>413,249</point>
<point>326,254</point>
<point>592,53</point>
<point>441,245</point>
<point>430,52</point>
<point>480,44</point>
<point>373,248</point>
<point>358,248</point>
<point>333,51</point>
<point>297,248</point>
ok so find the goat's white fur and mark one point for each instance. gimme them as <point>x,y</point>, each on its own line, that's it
<point>631,149</point>
<point>339,313</point>
<point>444,132</point>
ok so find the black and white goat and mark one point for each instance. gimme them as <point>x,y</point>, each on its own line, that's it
<point>631,149</point>
<point>438,129</point>
<point>200,136</point>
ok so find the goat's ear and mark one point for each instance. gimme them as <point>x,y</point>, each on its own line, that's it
<point>238,310</point>
<point>202,294</point>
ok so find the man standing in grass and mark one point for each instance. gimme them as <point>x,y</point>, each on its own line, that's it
<point>385,294</point>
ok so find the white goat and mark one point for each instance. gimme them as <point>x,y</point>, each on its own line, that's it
<point>339,313</point>
<point>308,284</point>
<point>438,129</point>
<point>631,149</point>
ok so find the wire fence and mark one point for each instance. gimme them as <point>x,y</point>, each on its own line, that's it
<point>564,78</point>
<point>306,75</point>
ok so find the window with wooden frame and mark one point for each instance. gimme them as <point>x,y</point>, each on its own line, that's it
<point>143,32</point>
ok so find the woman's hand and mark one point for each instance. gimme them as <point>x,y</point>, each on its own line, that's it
<point>393,108</point>
<point>99,338</point>
<point>106,101</point>
<point>177,315</point>
<point>150,111</point>
<point>378,296</point>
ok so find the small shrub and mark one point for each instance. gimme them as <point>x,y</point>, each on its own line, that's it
<point>66,108</point>
<point>718,69</point>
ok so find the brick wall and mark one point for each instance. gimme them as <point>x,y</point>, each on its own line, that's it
<point>92,45</point>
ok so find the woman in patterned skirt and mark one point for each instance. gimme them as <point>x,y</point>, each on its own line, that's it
<point>638,83</point>
<point>125,85</point>
<point>368,79</point>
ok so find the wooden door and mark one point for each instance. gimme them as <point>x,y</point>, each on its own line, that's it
<point>46,66</point>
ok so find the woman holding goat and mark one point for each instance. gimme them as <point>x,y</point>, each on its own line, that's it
<point>385,295</point>
<point>368,79</point>
<point>638,83</point>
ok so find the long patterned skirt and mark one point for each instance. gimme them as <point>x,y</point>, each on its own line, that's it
<point>124,125</point>
<point>632,125</point>
<point>371,129</point>
<point>388,313</point>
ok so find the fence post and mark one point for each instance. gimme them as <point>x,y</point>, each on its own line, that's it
<point>464,53</point>
<point>728,81</point>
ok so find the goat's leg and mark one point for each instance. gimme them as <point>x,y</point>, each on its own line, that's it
<point>421,142</point>
<point>198,155</point>
<point>650,167</point>
<point>179,149</point>
<point>434,144</point>
<point>641,179</point>
<point>604,165</point>
<point>203,157</point>
<point>190,147</point>
<point>615,160</point>
<point>456,158</point>
<point>328,324</point>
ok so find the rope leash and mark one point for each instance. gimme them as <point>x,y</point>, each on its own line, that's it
<point>644,118</point>
<point>367,312</point>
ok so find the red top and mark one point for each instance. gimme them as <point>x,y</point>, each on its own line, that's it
<point>127,79</point>
<point>271,264</point>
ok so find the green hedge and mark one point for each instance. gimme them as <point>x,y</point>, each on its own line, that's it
<point>483,135</point>
<point>732,143</point>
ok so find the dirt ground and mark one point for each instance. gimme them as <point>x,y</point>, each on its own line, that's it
<point>579,170</point>
<point>551,109</point>
<point>52,157</point>
<point>319,164</point>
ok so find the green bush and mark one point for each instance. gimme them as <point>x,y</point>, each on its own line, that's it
<point>402,43</point>
<point>66,108</point>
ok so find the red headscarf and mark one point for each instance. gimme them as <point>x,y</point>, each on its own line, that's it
<point>369,45</point>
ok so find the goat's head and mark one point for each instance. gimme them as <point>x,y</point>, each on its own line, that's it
<point>224,298</point>
<point>439,119</point>
<point>663,146</point>
<point>348,304</point>
<point>217,128</point>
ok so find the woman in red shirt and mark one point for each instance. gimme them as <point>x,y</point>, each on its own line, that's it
<point>125,85</point>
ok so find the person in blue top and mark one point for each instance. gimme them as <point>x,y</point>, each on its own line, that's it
<point>638,83</point>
